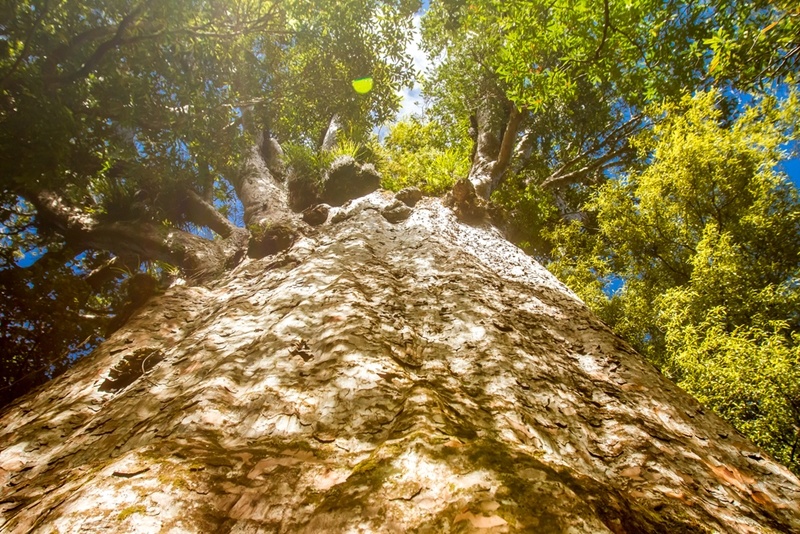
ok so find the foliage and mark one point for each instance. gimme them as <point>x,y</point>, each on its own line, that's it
<point>765,47</point>
<point>640,51</point>
<point>581,75</point>
<point>704,243</point>
<point>332,44</point>
<point>306,161</point>
<point>420,154</point>
<point>530,211</point>
<point>312,163</point>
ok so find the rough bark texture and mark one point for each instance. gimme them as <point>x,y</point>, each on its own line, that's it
<point>263,197</point>
<point>419,376</point>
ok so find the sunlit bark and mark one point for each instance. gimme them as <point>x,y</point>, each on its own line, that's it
<point>377,377</point>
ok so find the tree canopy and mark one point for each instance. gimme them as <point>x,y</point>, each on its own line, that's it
<point>703,245</point>
<point>555,89</point>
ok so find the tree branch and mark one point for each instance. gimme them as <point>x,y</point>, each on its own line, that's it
<point>50,65</point>
<point>556,180</point>
<point>110,270</point>
<point>234,239</point>
<point>263,197</point>
<point>634,43</point>
<point>507,145</point>
<point>118,39</point>
<point>606,25</point>
<point>492,154</point>
<point>561,177</point>
<point>24,52</point>
<point>198,257</point>
<point>204,214</point>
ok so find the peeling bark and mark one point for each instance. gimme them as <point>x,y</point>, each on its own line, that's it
<point>423,375</point>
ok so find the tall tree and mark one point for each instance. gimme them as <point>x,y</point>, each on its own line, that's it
<point>703,246</point>
<point>126,140</point>
<point>555,89</point>
<point>415,375</point>
<point>371,363</point>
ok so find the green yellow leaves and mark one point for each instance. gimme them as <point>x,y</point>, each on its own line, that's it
<point>419,154</point>
<point>704,243</point>
<point>754,43</point>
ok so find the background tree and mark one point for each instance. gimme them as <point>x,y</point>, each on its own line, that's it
<point>555,89</point>
<point>702,250</point>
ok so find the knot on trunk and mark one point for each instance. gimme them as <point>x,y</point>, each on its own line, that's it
<point>465,202</point>
<point>268,238</point>
<point>316,215</point>
<point>396,212</point>
<point>132,366</point>
<point>347,179</point>
<point>409,196</point>
<point>303,191</point>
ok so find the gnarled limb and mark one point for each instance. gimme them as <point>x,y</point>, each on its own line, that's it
<point>198,257</point>
<point>263,197</point>
<point>234,239</point>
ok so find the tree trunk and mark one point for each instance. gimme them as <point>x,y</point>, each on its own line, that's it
<point>376,377</point>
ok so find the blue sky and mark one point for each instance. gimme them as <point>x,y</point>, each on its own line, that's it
<point>411,100</point>
<point>792,169</point>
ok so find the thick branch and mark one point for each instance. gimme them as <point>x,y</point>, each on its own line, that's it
<point>197,256</point>
<point>561,180</point>
<point>494,147</point>
<point>234,239</point>
<point>50,65</point>
<point>507,144</point>
<point>264,198</point>
<point>204,214</point>
<point>104,48</point>
<point>329,138</point>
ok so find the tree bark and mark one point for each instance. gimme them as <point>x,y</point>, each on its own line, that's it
<point>264,198</point>
<point>376,377</point>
